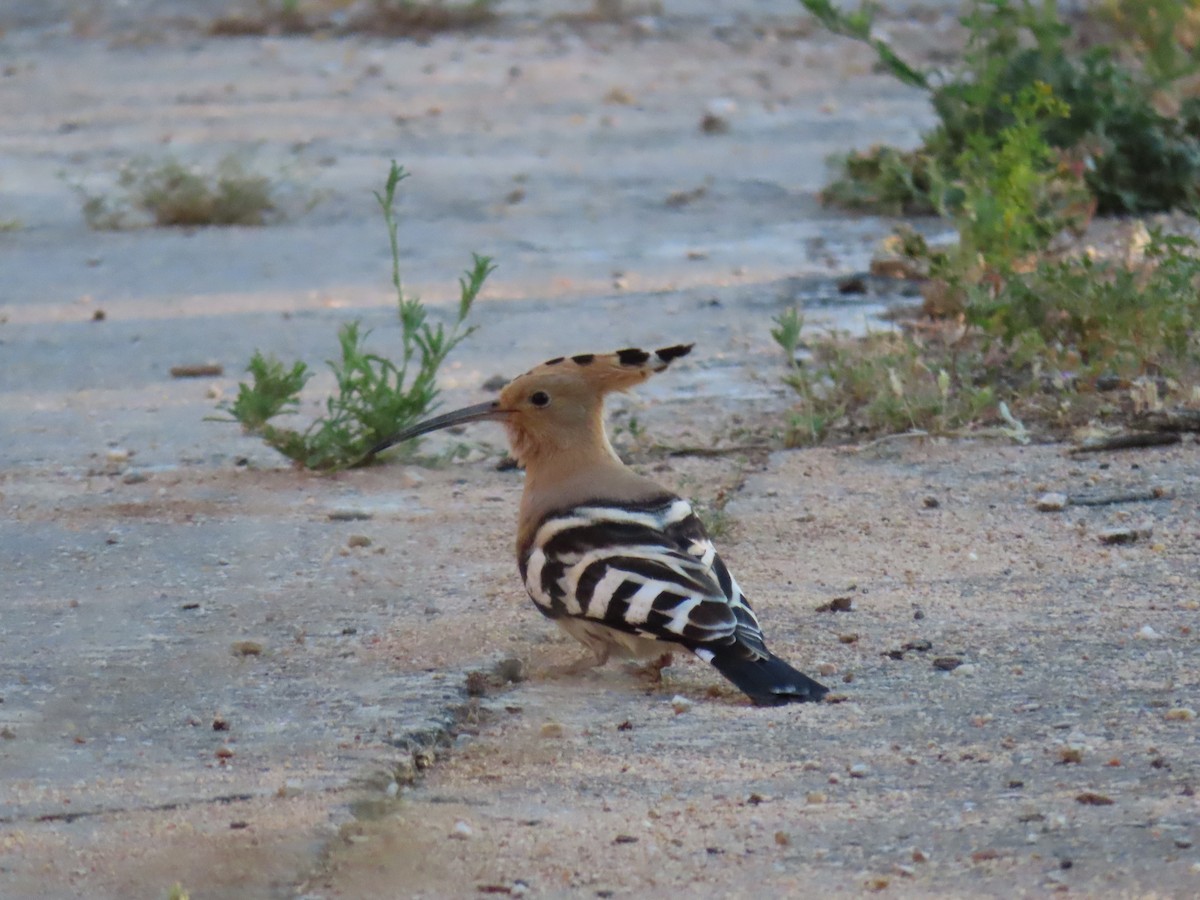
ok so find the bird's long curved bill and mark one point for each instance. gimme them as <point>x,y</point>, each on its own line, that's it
<point>478,413</point>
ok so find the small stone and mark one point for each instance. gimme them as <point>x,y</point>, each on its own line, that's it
<point>837,604</point>
<point>358,540</point>
<point>850,638</point>
<point>947,663</point>
<point>476,684</point>
<point>1051,502</point>
<point>966,670</point>
<point>135,476</point>
<point>1180,714</point>
<point>921,646</point>
<point>511,669</point>
<point>931,503</point>
<point>349,515</point>
<point>1146,633</point>
<point>117,455</point>
<point>1070,756</point>
<point>681,704</point>
<point>859,770</point>
<point>625,839</point>
<point>552,730</point>
<point>782,839</point>
<point>1091,798</point>
<point>826,669</point>
<point>424,758</point>
<point>919,856</point>
<point>462,831</point>
<point>815,797</point>
<point>220,723</point>
<point>247,648</point>
<point>495,383</point>
<point>1124,534</point>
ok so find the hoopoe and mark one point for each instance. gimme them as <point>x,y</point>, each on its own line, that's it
<point>620,563</point>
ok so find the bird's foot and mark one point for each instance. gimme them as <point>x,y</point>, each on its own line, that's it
<point>652,670</point>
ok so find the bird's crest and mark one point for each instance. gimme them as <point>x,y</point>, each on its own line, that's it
<point>604,373</point>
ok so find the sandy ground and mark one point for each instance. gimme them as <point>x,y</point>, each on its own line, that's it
<point>218,671</point>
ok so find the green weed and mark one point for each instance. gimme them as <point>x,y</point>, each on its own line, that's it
<point>389,18</point>
<point>375,396</point>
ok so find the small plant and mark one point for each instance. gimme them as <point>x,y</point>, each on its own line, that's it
<point>166,193</point>
<point>391,18</point>
<point>1084,321</point>
<point>375,396</point>
<point>885,383</point>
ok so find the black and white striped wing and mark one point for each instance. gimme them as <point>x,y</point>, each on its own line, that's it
<point>648,570</point>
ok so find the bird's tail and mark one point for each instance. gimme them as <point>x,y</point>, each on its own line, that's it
<point>767,680</point>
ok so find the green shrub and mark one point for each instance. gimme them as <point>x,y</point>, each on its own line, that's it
<point>1133,157</point>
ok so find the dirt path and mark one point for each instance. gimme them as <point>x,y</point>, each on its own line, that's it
<point>1054,758</point>
<point>217,671</point>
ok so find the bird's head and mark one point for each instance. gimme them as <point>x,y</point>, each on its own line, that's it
<point>556,408</point>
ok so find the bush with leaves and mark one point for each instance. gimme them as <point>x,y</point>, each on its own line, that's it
<point>1133,156</point>
<point>375,396</point>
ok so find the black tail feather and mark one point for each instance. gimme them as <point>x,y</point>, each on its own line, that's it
<point>768,681</point>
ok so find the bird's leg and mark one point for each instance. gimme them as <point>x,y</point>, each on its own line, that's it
<point>652,670</point>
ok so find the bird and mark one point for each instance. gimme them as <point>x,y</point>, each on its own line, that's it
<point>620,563</point>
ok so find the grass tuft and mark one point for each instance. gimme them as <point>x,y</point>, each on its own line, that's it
<point>166,193</point>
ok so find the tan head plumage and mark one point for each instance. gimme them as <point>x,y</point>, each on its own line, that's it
<point>557,407</point>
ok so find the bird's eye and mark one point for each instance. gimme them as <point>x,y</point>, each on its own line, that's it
<point>539,398</point>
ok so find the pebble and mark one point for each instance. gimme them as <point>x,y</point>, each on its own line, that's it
<point>1125,534</point>
<point>424,758</point>
<point>859,770</point>
<point>552,730</point>
<point>247,648</point>
<point>1146,633</point>
<point>1051,502</point>
<point>117,455</point>
<point>135,476</point>
<point>1180,714</point>
<point>349,515</point>
<point>462,831</point>
<point>947,663</point>
<point>681,704</point>
<point>358,540</point>
<point>511,669</point>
